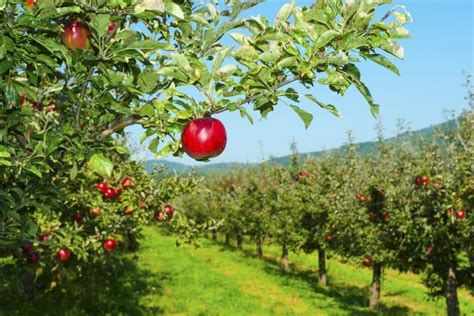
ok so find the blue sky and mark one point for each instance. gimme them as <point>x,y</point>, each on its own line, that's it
<point>431,80</point>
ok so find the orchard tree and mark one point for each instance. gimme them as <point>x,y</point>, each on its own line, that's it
<point>74,74</point>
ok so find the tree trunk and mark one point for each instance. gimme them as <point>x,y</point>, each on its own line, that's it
<point>214,235</point>
<point>259,247</point>
<point>29,286</point>
<point>375,290</point>
<point>227,239</point>
<point>452,301</point>
<point>240,240</point>
<point>323,277</point>
<point>284,257</point>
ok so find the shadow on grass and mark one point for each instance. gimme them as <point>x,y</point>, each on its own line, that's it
<point>117,288</point>
<point>349,298</point>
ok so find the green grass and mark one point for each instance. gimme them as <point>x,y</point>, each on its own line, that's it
<point>219,280</point>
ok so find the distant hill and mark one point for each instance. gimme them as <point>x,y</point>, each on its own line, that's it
<point>364,148</point>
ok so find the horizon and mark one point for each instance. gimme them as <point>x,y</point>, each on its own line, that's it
<point>431,80</point>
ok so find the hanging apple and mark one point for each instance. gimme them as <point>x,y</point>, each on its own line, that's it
<point>204,138</point>
<point>76,35</point>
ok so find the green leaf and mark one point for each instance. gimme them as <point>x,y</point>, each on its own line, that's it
<point>74,171</point>
<point>121,150</point>
<point>226,71</point>
<point>3,4</point>
<point>148,80</point>
<point>305,116</point>
<point>35,171</point>
<point>174,10</point>
<point>325,38</point>
<point>183,62</point>
<point>329,107</point>
<point>101,165</point>
<point>100,23</point>
<point>284,14</point>
<point>383,61</point>
<point>220,57</point>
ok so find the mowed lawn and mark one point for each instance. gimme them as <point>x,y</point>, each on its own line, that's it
<point>219,280</point>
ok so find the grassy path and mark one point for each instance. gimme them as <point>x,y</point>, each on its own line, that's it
<point>216,280</point>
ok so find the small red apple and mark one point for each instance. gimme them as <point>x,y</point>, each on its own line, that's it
<point>385,217</point>
<point>111,26</point>
<point>329,238</point>
<point>110,244</point>
<point>461,214</point>
<point>159,216</point>
<point>95,211</point>
<point>45,236</point>
<point>429,250</point>
<point>109,193</point>
<point>76,35</point>
<point>142,205</point>
<point>126,182</point>
<point>26,247</point>
<point>102,186</point>
<point>51,107</point>
<point>77,218</point>
<point>204,138</point>
<point>169,210</point>
<point>33,258</point>
<point>63,254</point>
<point>367,262</point>
<point>128,212</point>
<point>30,3</point>
<point>437,184</point>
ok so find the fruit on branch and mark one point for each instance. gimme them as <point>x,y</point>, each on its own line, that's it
<point>45,236</point>
<point>127,182</point>
<point>329,238</point>
<point>109,244</point>
<point>63,254</point>
<point>33,258</point>
<point>367,262</point>
<point>76,35</point>
<point>169,210</point>
<point>30,3</point>
<point>95,211</point>
<point>204,138</point>
<point>26,247</point>
<point>461,214</point>
<point>300,175</point>
<point>159,216</point>
<point>101,186</point>
<point>128,212</point>
<point>77,218</point>
<point>111,26</point>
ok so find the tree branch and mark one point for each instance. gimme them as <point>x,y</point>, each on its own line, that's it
<point>82,96</point>
<point>121,125</point>
<point>252,98</point>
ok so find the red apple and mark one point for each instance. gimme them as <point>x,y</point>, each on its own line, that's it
<point>329,238</point>
<point>45,236</point>
<point>102,186</point>
<point>169,210</point>
<point>128,212</point>
<point>26,247</point>
<point>385,217</point>
<point>418,181</point>
<point>77,218</point>
<point>109,193</point>
<point>437,184</point>
<point>127,182</point>
<point>204,138</point>
<point>142,205</point>
<point>95,211</point>
<point>30,3</point>
<point>33,258</point>
<point>460,214</point>
<point>300,175</point>
<point>63,254</point>
<point>111,26</point>
<point>110,244</point>
<point>159,216</point>
<point>367,262</point>
<point>429,250</point>
<point>76,35</point>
